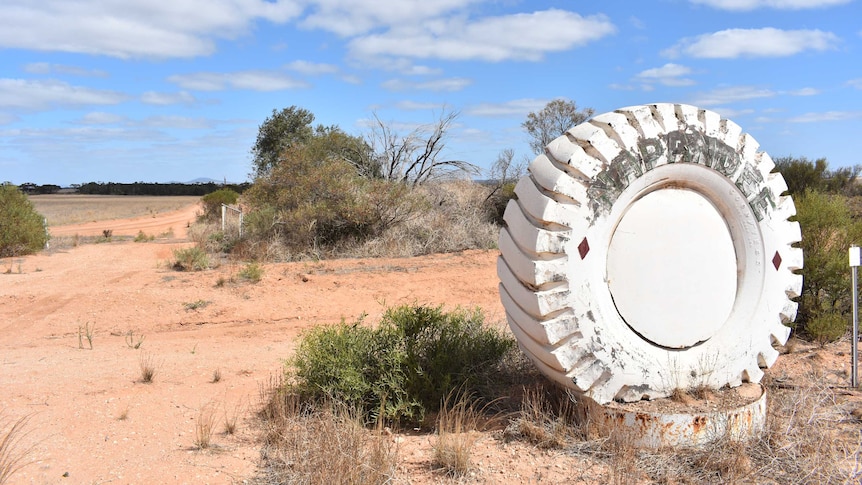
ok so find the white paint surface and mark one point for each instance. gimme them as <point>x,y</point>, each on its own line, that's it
<point>672,268</point>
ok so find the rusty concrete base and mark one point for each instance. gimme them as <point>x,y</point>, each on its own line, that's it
<point>659,430</point>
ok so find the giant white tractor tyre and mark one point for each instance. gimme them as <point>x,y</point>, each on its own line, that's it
<point>649,249</point>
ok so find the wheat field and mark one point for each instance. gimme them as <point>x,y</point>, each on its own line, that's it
<point>63,209</point>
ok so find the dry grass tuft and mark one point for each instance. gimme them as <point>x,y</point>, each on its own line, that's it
<point>802,443</point>
<point>14,453</point>
<point>231,418</point>
<point>321,446</point>
<point>124,414</point>
<point>457,431</point>
<point>548,418</point>
<point>148,367</point>
<point>204,426</point>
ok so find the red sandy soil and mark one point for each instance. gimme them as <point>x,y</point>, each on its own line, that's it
<point>77,398</point>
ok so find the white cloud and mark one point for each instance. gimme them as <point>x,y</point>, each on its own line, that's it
<point>516,107</point>
<point>856,83</point>
<point>729,113</point>
<point>351,79</point>
<point>522,36</point>
<point>416,106</point>
<point>312,68</point>
<point>766,42</point>
<point>449,84</point>
<point>168,121</point>
<point>38,95</point>
<point>165,99</point>
<point>349,18</point>
<point>251,80</point>
<point>415,70</point>
<point>731,95</point>
<point>669,75</point>
<point>101,118</point>
<point>743,5</point>
<point>7,118</point>
<point>47,68</point>
<point>804,92</point>
<point>826,116</point>
<point>133,28</point>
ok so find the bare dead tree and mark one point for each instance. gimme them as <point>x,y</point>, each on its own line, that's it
<point>505,171</point>
<point>415,158</point>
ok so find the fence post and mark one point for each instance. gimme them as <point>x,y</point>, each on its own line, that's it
<point>222,216</point>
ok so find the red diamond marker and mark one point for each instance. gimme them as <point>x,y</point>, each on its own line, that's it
<point>583,248</point>
<point>776,260</point>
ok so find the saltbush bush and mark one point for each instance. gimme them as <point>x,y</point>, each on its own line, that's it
<point>311,205</point>
<point>405,366</point>
<point>21,228</point>
<point>443,217</point>
<point>191,259</point>
<point>252,272</point>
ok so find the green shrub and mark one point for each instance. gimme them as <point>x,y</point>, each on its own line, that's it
<point>828,229</point>
<point>405,366</point>
<point>827,327</point>
<point>252,272</point>
<point>144,237</point>
<point>21,228</point>
<point>212,202</point>
<point>190,259</point>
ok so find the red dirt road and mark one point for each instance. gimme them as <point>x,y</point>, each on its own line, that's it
<point>176,222</point>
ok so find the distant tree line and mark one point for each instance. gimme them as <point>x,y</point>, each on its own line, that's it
<point>30,188</point>
<point>145,188</point>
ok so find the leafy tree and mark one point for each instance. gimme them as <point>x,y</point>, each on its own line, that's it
<point>21,227</point>
<point>416,158</point>
<point>552,121</point>
<point>828,229</point>
<point>802,174</point>
<point>278,132</point>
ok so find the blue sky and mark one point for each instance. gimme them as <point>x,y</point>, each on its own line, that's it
<point>157,91</point>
